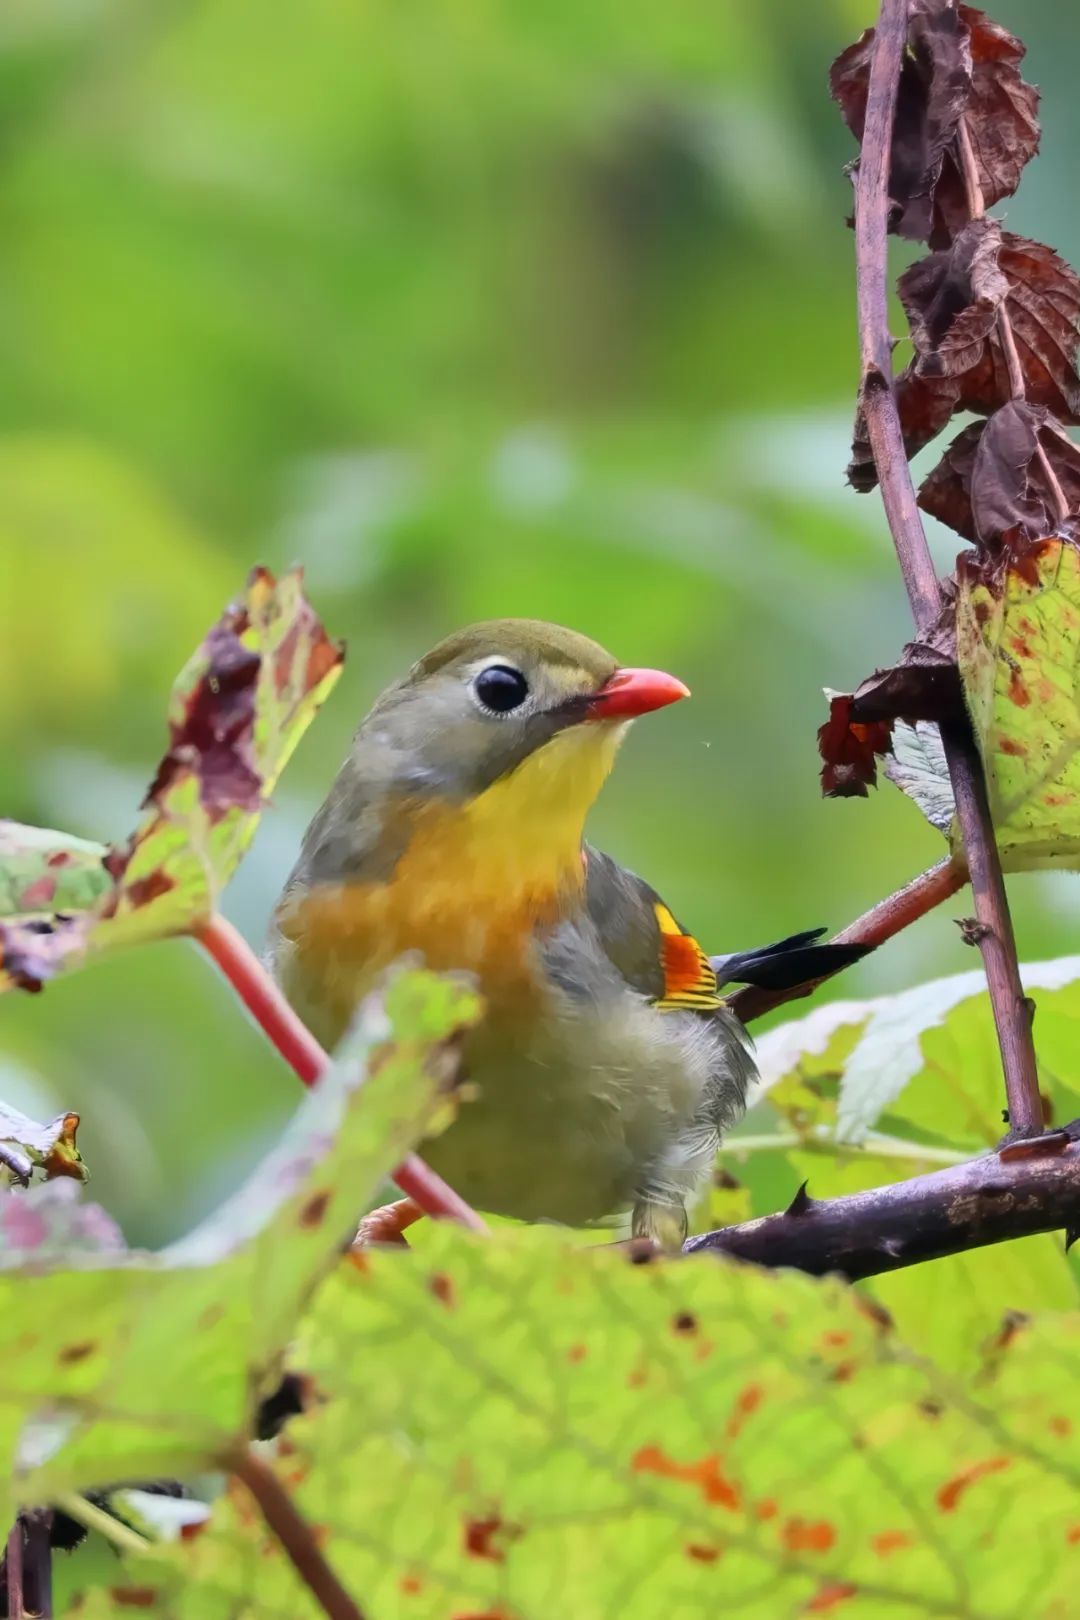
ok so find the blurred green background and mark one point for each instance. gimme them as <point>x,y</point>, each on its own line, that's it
<point>473,308</point>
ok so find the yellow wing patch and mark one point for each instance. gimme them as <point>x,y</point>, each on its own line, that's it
<point>689,981</point>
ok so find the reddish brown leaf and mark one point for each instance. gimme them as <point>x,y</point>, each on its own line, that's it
<point>990,484</point>
<point>848,747</point>
<point>923,684</point>
<point>935,84</point>
<point>959,64</point>
<point>952,299</point>
<point>1002,122</point>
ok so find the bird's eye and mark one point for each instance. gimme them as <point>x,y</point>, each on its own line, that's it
<point>501,688</point>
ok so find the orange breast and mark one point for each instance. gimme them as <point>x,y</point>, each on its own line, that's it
<point>461,902</point>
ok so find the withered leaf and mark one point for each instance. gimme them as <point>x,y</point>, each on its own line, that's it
<point>237,712</point>
<point>959,64</point>
<point>1002,122</point>
<point>934,89</point>
<point>923,684</point>
<point>990,484</point>
<point>848,748</point>
<point>952,299</point>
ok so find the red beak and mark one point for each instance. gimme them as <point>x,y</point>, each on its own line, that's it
<point>631,692</point>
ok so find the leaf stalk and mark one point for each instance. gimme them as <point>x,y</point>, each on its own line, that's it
<point>302,1052</point>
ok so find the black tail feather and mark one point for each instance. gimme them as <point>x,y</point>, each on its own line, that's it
<point>790,962</point>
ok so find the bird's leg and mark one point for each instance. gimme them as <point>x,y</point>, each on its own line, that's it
<point>666,1225</point>
<point>387,1224</point>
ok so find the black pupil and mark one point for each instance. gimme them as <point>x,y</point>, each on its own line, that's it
<point>501,688</point>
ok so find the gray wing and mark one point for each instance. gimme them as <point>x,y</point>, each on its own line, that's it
<point>642,938</point>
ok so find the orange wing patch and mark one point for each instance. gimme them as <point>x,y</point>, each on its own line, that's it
<point>689,981</point>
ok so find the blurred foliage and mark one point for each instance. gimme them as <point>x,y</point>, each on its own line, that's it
<point>473,309</point>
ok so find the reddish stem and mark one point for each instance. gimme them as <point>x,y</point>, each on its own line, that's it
<point>874,927</point>
<point>306,1058</point>
<point>294,1533</point>
<point>1011,1014</point>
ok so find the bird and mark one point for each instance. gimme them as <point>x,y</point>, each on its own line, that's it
<point>607,1064</point>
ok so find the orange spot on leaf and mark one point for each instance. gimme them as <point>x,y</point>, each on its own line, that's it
<point>151,887</point>
<point>1072,1535</point>
<point>1018,692</point>
<point>830,1596</point>
<point>704,1474</point>
<point>311,1213</point>
<point>481,1537</point>
<point>949,1495</point>
<point>746,1402</point>
<point>1061,1426</point>
<point>410,1585</point>
<point>702,1554</point>
<point>835,1339</point>
<point>807,1535</point>
<point>577,1352</point>
<point>890,1541</point>
<point>767,1508</point>
<point>1010,745</point>
<point>442,1288</point>
<point>72,1353</point>
<point>38,893</point>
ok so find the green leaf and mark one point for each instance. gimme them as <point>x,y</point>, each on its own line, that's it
<point>46,871</point>
<point>936,1039</point>
<point>237,711</point>
<point>1018,647</point>
<point>136,1366</point>
<point>519,1428</point>
<point>917,766</point>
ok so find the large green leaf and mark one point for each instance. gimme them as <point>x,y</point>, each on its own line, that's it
<point>1018,646</point>
<point>132,1366</point>
<point>237,711</point>
<point>519,1429</point>
<point>859,1094</point>
<point>927,1055</point>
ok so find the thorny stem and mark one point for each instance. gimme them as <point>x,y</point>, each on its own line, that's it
<point>294,1533</point>
<point>1011,1012</point>
<point>1026,1187</point>
<point>37,1563</point>
<point>891,915</point>
<point>28,1566</point>
<point>307,1059</point>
